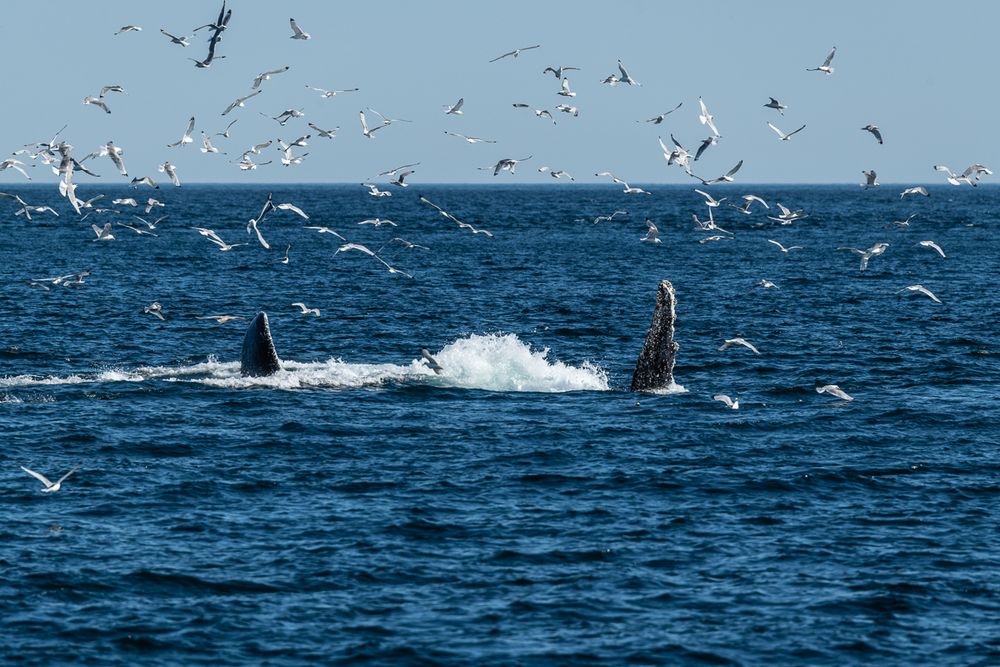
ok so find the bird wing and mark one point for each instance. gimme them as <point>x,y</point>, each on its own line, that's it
<point>829,58</point>
<point>40,477</point>
<point>735,169</point>
<point>509,53</point>
<point>781,134</point>
<point>295,27</point>
<point>796,131</point>
<point>355,246</point>
<point>293,208</point>
<point>458,105</point>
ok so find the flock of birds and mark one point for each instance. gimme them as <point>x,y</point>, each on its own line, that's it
<point>59,156</point>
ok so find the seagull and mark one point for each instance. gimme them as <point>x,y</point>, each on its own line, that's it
<point>539,113</point>
<point>284,260</point>
<point>145,180</point>
<point>454,109</point>
<point>606,218</point>
<point>326,134</point>
<point>174,39</point>
<point>730,403</point>
<point>155,309</point>
<point>364,126</point>
<point>252,227</point>
<point>129,201</point>
<point>378,222</point>
<point>782,135</point>
<point>711,140</point>
<point>515,53</point>
<point>286,116</point>
<point>367,251</point>
<point>110,89</point>
<point>711,201</point>
<point>625,78</point>
<point>246,164</point>
<point>240,102</point>
<point>214,238</point>
<point>449,216</point>
<point>611,80</point>
<point>225,134</point>
<point>652,233</point>
<point>787,216</point>
<point>555,173</point>
<point>375,192</point>
<point>431,362</point>
<point>970,175</point>
<point>866,255</point>
<point>922,290</point>
<point>305,309</point>
<point>206,144</point>
<point>49,486</point>
<point>266,76</point>
<point>405,243</point>
<point>186,139</point>
<point>326,230</point>
<point>874,130</point>
<point>656,120</point>
<point>783,248</point>
<point>727,178</point>
<point>629,190</point>
<point>933,246</point>
<point>97,102</point>
<point>259,147</point>
<point>293,208</point>
<point>128,28</point>
<point>557,72</point>
<point>766,284</point>
<point>678,154</point>
<point>707,118</point>
<point>729,342</point>
<point>221,319</point>
<point>507,164</point>
<point>565,91</point>
<point>386,120</point>
<point>138,231</point>
<point>776,105</point>
<point>471,140</point>
<point>566,108</point>
<point>918,190</point>
<point>717,237</point>
<point>151,225</point>
<point>747,201</point>
<point>871,179</point>
<point>833,390</point>
<point>296,31</point>
<point>324,93</point>
<point>11,163</point>
<point>825,67</point>
<point>103,233</point>
<point>399,179</point>
<point>170,171</point>
<point>904,223</point>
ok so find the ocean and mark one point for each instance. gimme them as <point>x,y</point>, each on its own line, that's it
<point>523,507</point>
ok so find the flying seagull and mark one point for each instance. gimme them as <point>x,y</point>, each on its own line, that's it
<point>471,140</point>
<point>707,119</point>
<point>729,342</point>
<point>834,391</point>
<point>656,120</point>
<point>456,108</point>
<point>933,246</point>
<point>871,179</point>
<point>730,403</point>
<point>920,289</point>
<point>324,93</point>
<point>186,138</point>
<point>296,31</point>
<point>918,190</point>
<point>49,486</point>
<point>874,130</point>
<point>825,67</point>
<point>265,76</point>
<point>776,105</point>
<point>515,53</point>
<point>782,135</point>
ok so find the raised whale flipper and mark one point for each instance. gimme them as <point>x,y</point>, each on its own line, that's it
<point>258,357</point>
<point>655,366</point>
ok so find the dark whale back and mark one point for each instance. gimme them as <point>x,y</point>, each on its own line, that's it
<point>655,367</point>
<point>258,357</point>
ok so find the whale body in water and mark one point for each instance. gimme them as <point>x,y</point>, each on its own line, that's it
<point>653,370</point>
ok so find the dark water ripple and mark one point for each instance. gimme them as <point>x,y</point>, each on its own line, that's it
<point>395,520</point>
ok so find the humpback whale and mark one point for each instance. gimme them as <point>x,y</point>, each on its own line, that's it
<point>653,370</point>
<point>655,367</point>
<point>258,356</point>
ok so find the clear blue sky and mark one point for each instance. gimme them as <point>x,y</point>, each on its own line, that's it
<point>922,71</point>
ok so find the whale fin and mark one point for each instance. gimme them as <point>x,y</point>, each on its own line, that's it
<point>655,367</point>
<point>258,356</point>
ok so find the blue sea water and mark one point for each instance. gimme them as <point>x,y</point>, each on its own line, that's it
<point>523,507</point>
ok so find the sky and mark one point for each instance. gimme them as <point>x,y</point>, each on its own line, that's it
<point>920,70</point>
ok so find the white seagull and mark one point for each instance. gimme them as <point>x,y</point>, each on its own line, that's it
<point>565,91</point>
<point>730,403</point>
<point>214,238</point>
<point>871,179</point>
<point>306,310</point>
<point>729,342</point>
<point>874,130</point>
<point>174,39</point>
<point>326,134</point>
<point>324,93</point>
<point>296,31</point>
<point>834,391</point>
<point>656,120</point>
<point>128,28</point>
<point>454,109</point>
<point>707,118</point>
<point>240,102</point>
<point>186,139</point>
<point>266,76</point>
<point>782,135</point>
<point>515,53</point>
<point>933,246</point>
<point>918,190</point>
<point>825,67</point>
<point>625,78</point>
<point>866,255</point>
<point>170,171</point>
<point>776,105</point>
<point>49,486</point>
<point>652,233</point>
<point>471,140</point>
<point>922,290</point>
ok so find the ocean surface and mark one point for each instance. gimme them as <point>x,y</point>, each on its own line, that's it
<point>523,507</point>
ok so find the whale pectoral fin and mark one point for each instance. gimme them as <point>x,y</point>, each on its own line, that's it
<point>655,367</point>
<point>258,356</point>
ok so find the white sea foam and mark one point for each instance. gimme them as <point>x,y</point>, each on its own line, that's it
<point>492,362</point>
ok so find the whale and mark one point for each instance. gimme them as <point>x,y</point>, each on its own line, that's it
<point>258,357</point>
<point>654,369</point>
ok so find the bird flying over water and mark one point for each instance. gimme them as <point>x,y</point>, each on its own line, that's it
<point>516,52</point>
<point>186,137</point>
<point>266,76</point>
<point>49,486</point>
<point>920,289</point>
<point>782,135</point>
<point>729,342</point>
<point>833,390</point>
